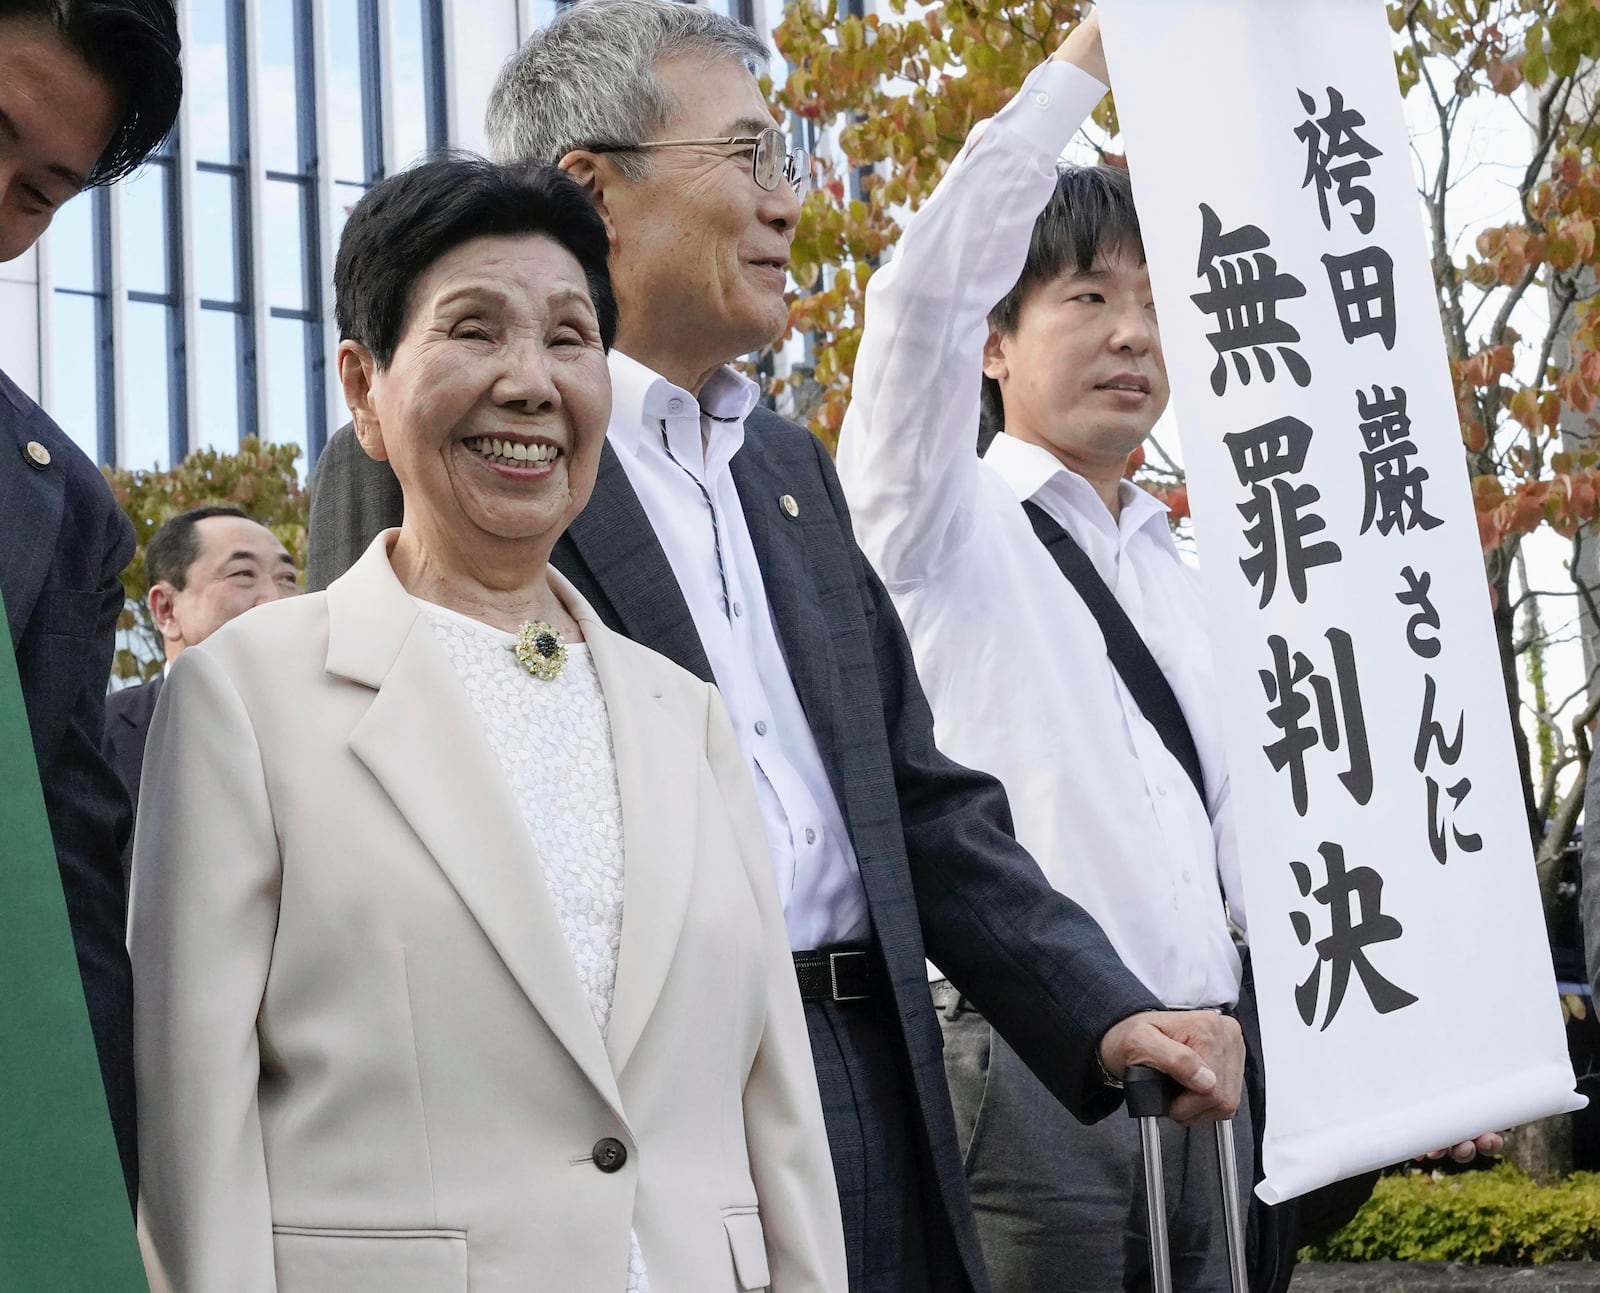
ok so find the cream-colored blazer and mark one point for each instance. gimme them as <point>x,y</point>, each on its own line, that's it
<point>365,1063</point>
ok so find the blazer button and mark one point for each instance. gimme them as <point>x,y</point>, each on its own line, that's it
<point>610,1154</point>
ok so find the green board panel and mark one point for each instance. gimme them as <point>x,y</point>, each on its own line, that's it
<point>64,1220</point>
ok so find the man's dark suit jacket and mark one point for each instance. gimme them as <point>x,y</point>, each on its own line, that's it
<point>127,724</point>
<point>128,714</point>
<point>63,544</point>
<point>943,876</point>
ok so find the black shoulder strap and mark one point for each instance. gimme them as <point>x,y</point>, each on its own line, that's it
<point>1137,667</point>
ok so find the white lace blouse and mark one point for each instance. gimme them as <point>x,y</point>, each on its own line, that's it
<point>553,741</point>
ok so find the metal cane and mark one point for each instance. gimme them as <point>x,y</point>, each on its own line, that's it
<point>1232,1214</point>
<point>1148,1092</point>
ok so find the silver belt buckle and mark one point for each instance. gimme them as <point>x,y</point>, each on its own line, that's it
<point>833,977</point>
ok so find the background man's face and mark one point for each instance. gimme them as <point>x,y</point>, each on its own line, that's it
<point>699,248</point>
<point>1083,373</point>
<point>57,115</point>
<point>241,565</point>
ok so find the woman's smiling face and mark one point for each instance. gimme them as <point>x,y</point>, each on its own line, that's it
<point>495,404</point>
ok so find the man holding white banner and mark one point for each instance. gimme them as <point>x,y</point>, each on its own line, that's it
<point>1124,798</point>
<point>1382,849</point>
<point>1014,662</point>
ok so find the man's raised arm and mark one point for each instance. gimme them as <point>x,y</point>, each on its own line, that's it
<point>907,449</point>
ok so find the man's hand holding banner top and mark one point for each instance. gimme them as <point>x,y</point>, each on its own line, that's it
<point>1406,992</point>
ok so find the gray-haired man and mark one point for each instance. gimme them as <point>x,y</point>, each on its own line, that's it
<point>718,535</point>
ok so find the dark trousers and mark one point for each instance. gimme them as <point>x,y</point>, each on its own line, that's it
<point>1061,1206</point>
<point>868,1107</point>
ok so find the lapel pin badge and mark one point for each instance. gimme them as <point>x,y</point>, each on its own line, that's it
<point>791,509</point>
<point>37,454</point>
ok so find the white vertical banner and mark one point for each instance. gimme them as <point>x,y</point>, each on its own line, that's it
<point>1406,990</point>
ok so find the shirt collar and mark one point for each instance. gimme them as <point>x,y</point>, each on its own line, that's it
<point>642,399</point>
<point>1030,470</point>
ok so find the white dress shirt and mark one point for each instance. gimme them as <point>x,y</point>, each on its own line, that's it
<point>678,452</point>
<point>1014,664</point>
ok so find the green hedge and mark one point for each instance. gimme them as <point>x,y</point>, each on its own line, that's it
<point>1496,1217</point>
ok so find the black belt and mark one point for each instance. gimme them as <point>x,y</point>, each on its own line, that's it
<point>845,974</point>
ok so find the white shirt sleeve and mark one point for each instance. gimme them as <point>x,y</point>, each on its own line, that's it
<point>1229,874</point>
<point>908,446</point>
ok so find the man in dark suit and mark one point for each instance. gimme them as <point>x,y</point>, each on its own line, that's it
<point>88,88</point>
<point>63,544</point>
<point>128,714</point>
<point>717,534</point>
<point>204,567</point>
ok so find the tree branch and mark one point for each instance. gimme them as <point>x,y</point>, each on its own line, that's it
<point>1545,134</point>
<point>1447,284</point>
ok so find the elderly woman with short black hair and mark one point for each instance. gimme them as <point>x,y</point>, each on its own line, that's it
<point>458,959</point>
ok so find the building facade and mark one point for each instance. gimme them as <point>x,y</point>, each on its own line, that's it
<point>192,305</point>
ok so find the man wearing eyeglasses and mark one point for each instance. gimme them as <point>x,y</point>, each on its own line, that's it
<point>717,534</point>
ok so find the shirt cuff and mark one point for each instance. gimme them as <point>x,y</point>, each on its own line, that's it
<point>1053,102</point>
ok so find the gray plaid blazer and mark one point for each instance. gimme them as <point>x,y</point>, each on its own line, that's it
<point>943,876</point>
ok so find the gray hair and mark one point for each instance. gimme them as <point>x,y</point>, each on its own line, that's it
<point>590,78</point>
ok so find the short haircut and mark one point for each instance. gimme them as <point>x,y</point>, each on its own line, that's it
<point>590,77</point>
<point>403,225</point>
<point>175,546</point>
<point>1090,213</point>
<point>134,45</point>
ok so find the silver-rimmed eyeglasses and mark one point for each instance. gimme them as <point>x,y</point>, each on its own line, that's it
<point>771,159</point>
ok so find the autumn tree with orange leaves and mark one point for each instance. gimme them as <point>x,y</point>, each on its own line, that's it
<point>900,91</point>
